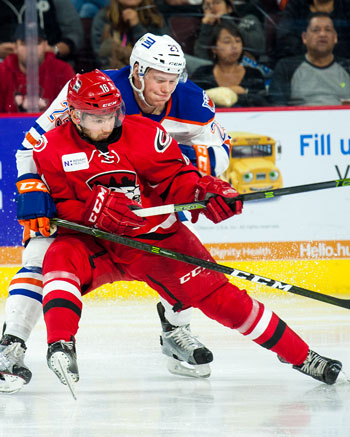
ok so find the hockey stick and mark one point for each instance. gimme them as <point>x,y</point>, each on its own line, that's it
<point>130,242</point>
<point>278,192</point>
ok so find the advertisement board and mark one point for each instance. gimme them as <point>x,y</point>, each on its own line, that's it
<point>310,146</point>
<point>12,131</point>
<point>313,146</point>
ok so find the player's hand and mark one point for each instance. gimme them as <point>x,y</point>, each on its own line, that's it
<point>35,206</point>
<point>217,192</point>
<point>40,224</point>
<point>203,159</point>
<point>110,211</point>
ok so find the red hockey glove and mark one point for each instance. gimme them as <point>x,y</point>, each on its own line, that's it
<point>109,211</point>
<point>216,191</point>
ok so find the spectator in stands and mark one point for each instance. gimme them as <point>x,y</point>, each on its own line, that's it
<point>317,77</point>
<point>89,8</point>
<point>58,18</point>
<point>53,75</point>
<point>218,11</point>
<point>227,81</point>
<point>294,20</point>
<point>116,29</point>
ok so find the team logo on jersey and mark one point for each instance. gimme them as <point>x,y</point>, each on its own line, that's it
<point>119,181</point>
<point>162,140</point>
<point>75,162</point>
<point>207,102</point>
<point>40,145</point>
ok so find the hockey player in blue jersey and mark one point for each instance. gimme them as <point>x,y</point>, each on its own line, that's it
<point>152,86</point>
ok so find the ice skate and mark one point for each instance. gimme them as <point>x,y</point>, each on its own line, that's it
<point>13,372</point>
<point>187,355</point>
<point>321,368</point>
<point>62,360</point>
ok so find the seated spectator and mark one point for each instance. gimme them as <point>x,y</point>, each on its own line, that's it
<point>58,18</point>
<point>218,11</point>
<point>116,29</point>
<point>294,20</point>
<point>245,85</point>
<point>89,8</point>
<point>53,75</point>
<point>316,78</point>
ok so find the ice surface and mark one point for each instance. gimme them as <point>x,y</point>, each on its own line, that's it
<point>125,389</point>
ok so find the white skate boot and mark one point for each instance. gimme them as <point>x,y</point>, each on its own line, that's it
<point>187,355</point>
<point>13,372</point>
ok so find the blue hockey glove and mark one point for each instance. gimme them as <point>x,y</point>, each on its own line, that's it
<point>199,156</point>
<point>35,206</point>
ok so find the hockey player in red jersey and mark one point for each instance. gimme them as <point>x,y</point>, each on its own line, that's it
<point>98,167</point>
<point>154,87</point>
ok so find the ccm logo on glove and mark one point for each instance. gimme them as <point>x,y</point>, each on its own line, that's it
<point>30,186</point>
<point>99,202</point>
<point>111,211</point>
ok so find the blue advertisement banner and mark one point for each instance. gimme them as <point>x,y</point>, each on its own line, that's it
<point>12,131</point>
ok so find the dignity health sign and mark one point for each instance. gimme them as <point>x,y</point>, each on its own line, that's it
<point>314,147</point>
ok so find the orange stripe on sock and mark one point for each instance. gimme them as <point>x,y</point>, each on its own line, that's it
<point>31,281</point>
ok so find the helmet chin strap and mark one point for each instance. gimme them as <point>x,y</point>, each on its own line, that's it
<point>139,91</point>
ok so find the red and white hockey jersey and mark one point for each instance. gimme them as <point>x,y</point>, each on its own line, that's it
<point>145,164</point>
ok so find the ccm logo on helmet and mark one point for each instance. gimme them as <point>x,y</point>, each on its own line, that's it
<point>100,200</point>
<point>105,105</point>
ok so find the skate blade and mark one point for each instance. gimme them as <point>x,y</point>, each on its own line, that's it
<point>182,368</point>
<point>342,378</point>
<point>69,380</point>
<point>10,383</point>
<point>60,363</point>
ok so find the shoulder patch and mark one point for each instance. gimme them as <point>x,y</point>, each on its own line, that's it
<point>162,140</point>
<point>40,145</point>
<point>207,102</point>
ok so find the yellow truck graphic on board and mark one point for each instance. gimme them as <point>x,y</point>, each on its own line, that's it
<point>252,164</point>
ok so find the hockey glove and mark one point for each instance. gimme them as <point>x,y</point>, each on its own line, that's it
<point>110,211</point>
<point>217,191</point>
<point>199,157</point>
<point>35,206</point>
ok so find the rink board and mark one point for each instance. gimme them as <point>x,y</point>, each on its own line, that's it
<point>324,276</point>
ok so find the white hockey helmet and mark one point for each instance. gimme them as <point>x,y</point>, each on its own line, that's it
<point>160,52</point>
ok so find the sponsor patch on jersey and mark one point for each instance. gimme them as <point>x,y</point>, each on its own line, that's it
<point>75,162</point>
<point>162,140</point>
<point>207,102</point>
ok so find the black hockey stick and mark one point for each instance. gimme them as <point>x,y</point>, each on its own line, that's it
<point>278,192</point>
<point>202,263</point>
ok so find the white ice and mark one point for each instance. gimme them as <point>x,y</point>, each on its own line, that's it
<point>126,390</point>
